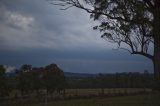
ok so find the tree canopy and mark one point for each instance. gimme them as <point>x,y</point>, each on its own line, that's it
<point>3,82</point>
<point>134,25</point>
<point>31,79</point>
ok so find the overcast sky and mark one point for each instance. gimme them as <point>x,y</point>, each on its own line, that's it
<point>38,33</point>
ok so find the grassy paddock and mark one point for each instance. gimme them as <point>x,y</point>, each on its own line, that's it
<point>71,94</point>
<point>87,92</point>
<point>136,100</point>
<point>106,91</point>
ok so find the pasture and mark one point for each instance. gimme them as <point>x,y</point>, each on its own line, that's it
<point>134,100</point>
<point>105,91</point>
<point>76,93</point>
<point>91,97</point>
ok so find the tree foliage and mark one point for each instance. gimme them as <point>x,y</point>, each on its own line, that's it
<point>114,80</point>
<point>4,90</point>
<point>53,78</point>
<point>48,78</point>
<point>134,25</point>
<point>125,22</point>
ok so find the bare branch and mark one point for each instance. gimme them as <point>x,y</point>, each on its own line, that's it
<point>149,3</point>
<point>125,27</point>
<point>144,54</point>
<point>66,8</point>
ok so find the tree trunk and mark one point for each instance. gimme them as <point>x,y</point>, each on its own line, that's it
<point>46,97</point>
<point>157,40</point>
<point>157,62</point>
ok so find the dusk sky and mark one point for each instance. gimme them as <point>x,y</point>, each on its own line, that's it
<point>38,33</point>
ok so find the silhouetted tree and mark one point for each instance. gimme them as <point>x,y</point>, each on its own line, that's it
<point>37,81</point>
<point>30,79</point>
<point>3,82</point>
<point>26,68</point>
<point>133,24</point>
<point>117,80</point>
<point>53,78</point>
<point>24,79</point>
<point>101,81</point>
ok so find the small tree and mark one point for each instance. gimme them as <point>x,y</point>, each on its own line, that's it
<point>4,90</point>
<point>101,81</point>
<point>53,78</point>
<point>36,79</point>
<point>24,79</point>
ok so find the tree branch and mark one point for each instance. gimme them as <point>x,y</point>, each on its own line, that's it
<point>149,3</point>
<point>143,54</point>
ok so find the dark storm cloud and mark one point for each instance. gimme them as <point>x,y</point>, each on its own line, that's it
<point>36,32</point>
<point>90,61</point>
<point>44,25</point>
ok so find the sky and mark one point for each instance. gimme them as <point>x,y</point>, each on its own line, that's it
<point>38,33</point>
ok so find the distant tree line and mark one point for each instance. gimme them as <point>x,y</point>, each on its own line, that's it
<point>115,80</point>
<point>28,79</point>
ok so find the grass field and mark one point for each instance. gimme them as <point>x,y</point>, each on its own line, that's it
<point>106,91</point>
<point>136,100</point>
<point>90,92</point>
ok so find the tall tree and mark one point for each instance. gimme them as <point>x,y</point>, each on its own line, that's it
<point>53,78</point>
<point>24,79</point>
<point>3,82</point>
<point>133,24</point>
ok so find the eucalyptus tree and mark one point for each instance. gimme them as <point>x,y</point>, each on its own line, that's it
<point>24,79</point>
<point>53,78</point>
<point>134,25</point>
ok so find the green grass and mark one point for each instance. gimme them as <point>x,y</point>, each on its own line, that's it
<point>137,100</point>
<point>97,91</point>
